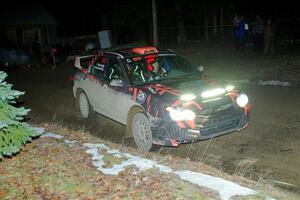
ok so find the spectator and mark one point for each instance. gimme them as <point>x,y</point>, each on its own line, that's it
<point>239,32</point>
<point>258,34</point>
<point>269,38</point>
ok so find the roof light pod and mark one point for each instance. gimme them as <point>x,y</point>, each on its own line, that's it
<point>145,50</point>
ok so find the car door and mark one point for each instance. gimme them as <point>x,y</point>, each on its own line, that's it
<point>118,101</point>
<point>94,84</point>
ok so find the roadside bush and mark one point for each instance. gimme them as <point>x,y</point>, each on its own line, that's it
<point>14,133</point>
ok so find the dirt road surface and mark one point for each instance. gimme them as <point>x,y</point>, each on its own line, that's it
<point>267,150</point>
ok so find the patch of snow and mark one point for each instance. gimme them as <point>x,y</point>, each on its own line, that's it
<point>140,163</point>
<point>70,142</point>
<point>261,82</point>
<point>52,135</point>
<point>89,145</point>
<point>39,130</point>
<point>226,189</point>
<point>145,178</point>
<point>274,82</point>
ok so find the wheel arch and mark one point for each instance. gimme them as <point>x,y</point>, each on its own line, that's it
<point>133,110</point>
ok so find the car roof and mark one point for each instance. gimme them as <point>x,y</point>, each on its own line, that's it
<point>127,52</point>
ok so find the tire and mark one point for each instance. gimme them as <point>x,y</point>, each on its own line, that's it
<point>141,131</point>
<point>84,105</point>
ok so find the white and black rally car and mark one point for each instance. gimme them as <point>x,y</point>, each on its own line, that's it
<point>160,97</point>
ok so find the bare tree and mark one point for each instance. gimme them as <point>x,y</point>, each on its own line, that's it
<point>180,24</point>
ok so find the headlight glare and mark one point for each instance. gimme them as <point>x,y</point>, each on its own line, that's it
<point>212,93</point>
<point>242,100</point>
<point>175,115</point>
<point>188,115</point>
<point>188,97</point>
<point>181,115</point>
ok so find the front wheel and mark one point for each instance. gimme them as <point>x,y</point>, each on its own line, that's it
<point>85,107</point>
<point>141,131</point>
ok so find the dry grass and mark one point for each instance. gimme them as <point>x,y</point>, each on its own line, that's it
<point>48,168</point>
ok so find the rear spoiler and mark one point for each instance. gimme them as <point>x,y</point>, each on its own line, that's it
<point>78,60</point>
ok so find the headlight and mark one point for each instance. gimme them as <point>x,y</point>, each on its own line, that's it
<point>188,97</point>
<point>181,115</point>
<point>242,100</point>
<point>212,93</point>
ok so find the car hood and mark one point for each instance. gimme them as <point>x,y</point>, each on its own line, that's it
<point>192,84</point>
<point>169,91</point>
<point>189,84</point>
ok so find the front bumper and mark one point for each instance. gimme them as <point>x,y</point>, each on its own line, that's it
<point>205,128</point>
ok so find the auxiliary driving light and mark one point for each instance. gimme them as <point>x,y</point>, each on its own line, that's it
<point>188,97</point>
<point>212,93</point>
<point>229,88</point>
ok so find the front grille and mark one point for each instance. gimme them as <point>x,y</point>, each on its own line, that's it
<point>219,116</point>
<point>214,107</point>
<point>220,126</point>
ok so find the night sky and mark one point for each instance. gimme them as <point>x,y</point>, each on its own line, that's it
<point>88,17</point>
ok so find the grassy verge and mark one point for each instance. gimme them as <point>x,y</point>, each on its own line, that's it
<point>49,168</point>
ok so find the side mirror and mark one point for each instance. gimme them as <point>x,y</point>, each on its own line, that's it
<point>116,83</point>
<point>200,68</point>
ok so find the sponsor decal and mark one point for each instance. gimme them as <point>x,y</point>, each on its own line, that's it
<point>141,97</point>
<point>99,66</point>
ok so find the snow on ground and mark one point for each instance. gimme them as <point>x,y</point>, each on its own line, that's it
<point>52,135</point>
<point>261,82</point>
<point>226,189</point>
<point>274,83</point>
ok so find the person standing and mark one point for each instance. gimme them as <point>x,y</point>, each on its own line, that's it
<point>258,34</point>
<point>269,38</point>
<point>239,32</point>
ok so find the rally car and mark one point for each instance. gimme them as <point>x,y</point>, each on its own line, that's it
<point>160,97</point>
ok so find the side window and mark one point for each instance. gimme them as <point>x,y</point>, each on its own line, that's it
<point>114,70</point>
<point>98,68</point>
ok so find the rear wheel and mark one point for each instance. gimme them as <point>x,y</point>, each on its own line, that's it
<point>85,107</point>
<point>141,131</point>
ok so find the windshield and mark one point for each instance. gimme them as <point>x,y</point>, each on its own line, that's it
<point>156,67</point>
